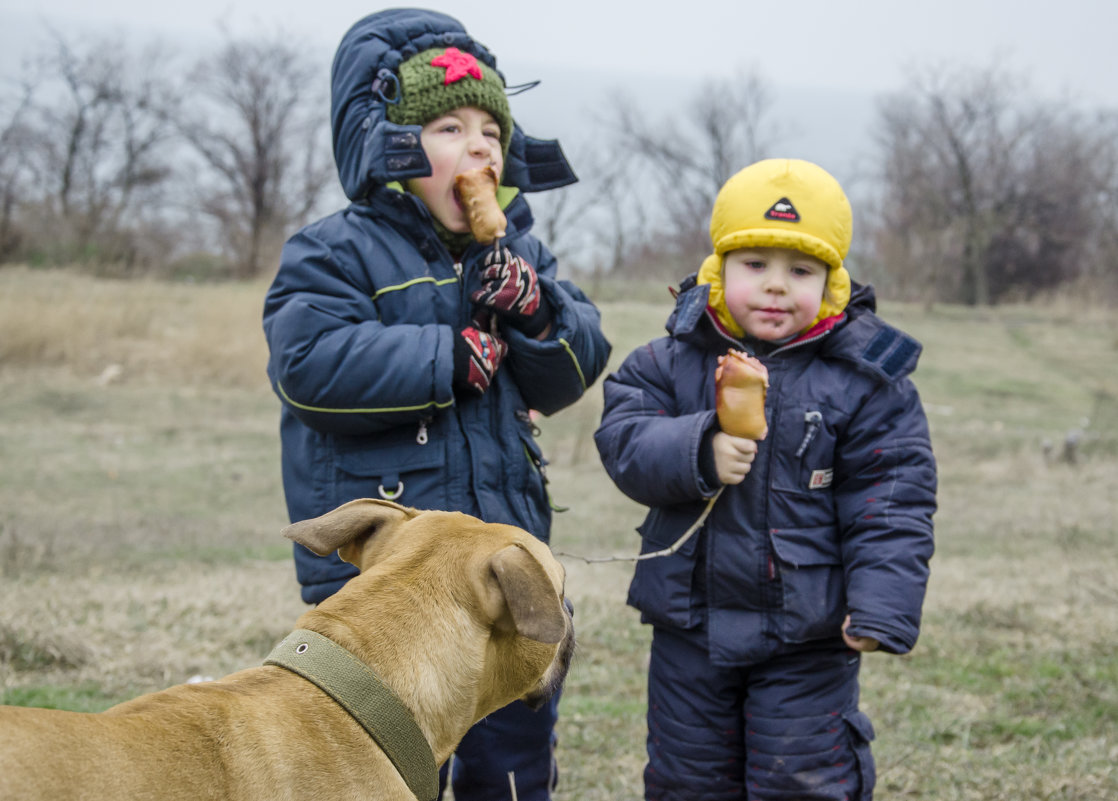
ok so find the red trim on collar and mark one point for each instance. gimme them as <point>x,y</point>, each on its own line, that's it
<point>817,330</point>
<point>820,328</point>
<point>719,325</point>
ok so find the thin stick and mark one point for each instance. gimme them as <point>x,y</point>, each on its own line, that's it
<point>675,546</point>
<point>512,784</point>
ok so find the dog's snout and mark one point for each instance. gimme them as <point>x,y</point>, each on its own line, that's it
<point>569,607</point>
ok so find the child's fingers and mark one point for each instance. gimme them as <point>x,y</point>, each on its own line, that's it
<point>733,471</point>
<point>855,643</point>
<point>733,457</point>
<point>747,448</point>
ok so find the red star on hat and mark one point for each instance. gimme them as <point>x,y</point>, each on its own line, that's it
<point>458,65</point>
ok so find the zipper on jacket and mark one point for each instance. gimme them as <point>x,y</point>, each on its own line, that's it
<point>421,435</point>
<point>537,462</point>
<point>524,416</point>
<point>812,420</point>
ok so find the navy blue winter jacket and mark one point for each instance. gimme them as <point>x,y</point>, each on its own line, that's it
<point>362,317</point>
<point>834,517</point>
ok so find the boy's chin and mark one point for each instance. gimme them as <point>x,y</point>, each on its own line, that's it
<point>457,225</point>
<point>769,334</point>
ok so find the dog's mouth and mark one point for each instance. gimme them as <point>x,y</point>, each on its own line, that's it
<point>556,674</point>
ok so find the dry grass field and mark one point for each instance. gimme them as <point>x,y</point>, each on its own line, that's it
<point>140,511</point>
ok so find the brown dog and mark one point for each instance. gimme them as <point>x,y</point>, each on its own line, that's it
<point>457,617</point>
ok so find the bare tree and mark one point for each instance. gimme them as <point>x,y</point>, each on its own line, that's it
<point>258,128</point>
<point>686,157</point>
<point>1098,278</point>
<point>594,224</point>
<point>91,127</point>
<point>15,145</point>
<point>986,195</point>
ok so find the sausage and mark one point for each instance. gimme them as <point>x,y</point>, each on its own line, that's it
<point>477,190</point>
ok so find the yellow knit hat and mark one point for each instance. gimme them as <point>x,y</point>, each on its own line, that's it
<point>781,203</point>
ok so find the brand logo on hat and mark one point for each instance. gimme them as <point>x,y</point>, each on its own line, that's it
<point>783,210</point>
<point>458,65</point>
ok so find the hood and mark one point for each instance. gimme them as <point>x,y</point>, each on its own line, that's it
<point>369,150</point>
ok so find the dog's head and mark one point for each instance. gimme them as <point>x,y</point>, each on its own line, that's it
<point>500,577</point>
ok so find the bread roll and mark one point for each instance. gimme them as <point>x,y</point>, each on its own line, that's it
<point>740,383</point>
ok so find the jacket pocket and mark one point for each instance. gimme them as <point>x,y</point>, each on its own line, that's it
<point>803,459</point>
<point>396,466</point>
<point>811,577</point>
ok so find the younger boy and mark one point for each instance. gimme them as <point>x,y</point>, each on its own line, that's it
<point>818,547</point>
<point>408,355</point>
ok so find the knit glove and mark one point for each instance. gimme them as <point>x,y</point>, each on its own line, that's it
<point>511,289</point>
<point>477,355</point>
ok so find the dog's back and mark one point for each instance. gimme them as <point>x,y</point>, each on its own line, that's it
<point>268,734</point>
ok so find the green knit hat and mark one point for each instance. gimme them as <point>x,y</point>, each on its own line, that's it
<point>442,79</point>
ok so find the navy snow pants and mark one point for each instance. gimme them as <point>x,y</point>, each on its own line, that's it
<point>514,738</point>
<point>788,728</point>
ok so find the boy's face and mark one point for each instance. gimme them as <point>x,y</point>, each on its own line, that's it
<point>463,139</point>
<point>773,293</point>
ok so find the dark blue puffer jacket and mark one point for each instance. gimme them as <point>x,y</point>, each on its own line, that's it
<point>361,321</point>
<point>835,516</point>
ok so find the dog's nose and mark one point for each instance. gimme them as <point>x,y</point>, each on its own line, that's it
<point>570,607</point>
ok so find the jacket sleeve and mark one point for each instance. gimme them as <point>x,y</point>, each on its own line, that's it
<point>333,363</point>
<point>648,446</point>
<point>885,504</point>
<point>555,372</point>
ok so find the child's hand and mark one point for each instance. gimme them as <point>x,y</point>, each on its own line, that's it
<point>864,644</point>
<point>511,288</point>
<point>733,457</point>
<point>477,355</point>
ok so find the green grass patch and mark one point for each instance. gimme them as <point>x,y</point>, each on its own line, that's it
<point>87,697</point>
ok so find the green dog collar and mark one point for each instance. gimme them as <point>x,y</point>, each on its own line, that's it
<point>361,693</point>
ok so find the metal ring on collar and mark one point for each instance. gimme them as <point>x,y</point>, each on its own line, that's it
<point>394,494</point>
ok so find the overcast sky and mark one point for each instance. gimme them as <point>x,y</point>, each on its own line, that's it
<point>841,44</point>
<point>827,49</point>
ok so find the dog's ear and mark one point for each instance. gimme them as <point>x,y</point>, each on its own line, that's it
<point>525,590</point>
<point>348,528</point>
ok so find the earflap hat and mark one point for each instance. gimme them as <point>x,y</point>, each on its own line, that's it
<point>440,80</point>
<point>781,203</point>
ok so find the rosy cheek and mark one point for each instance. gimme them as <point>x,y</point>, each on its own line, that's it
<point>811,294</point>
<point>737,295</point>
<point>810,302</point>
